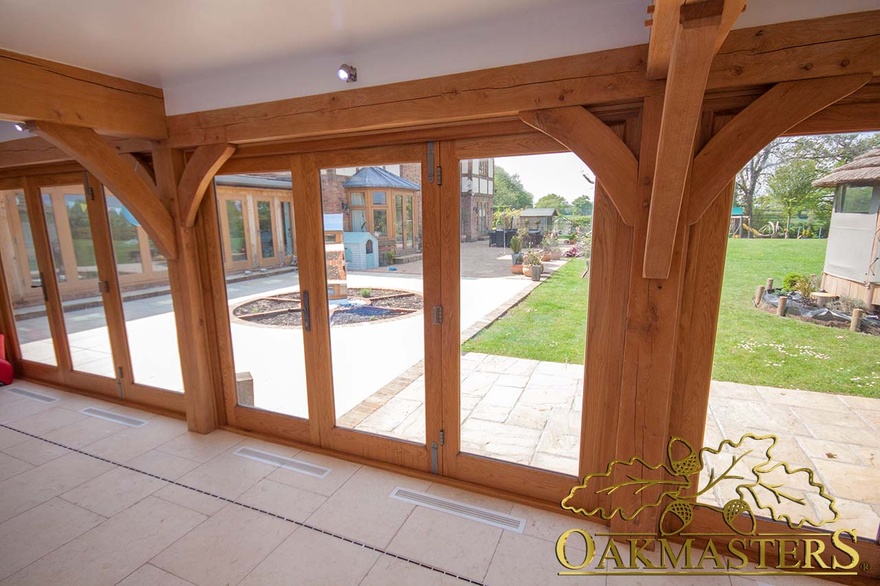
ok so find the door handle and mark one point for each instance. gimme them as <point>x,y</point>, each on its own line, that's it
<point>306,311</point>
<point>42,286</point>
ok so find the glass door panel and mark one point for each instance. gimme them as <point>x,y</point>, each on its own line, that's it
<point>523,337</point>
<point>148,312</point>
<point>265,309</point>
<point>24,280</point>
<point>80,289</point>
<point>374,286</point>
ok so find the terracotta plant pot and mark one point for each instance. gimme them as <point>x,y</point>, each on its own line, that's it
<point>527,270</point>
<point>516,269</point>
<point>545,257</point>
<point>555,254</point>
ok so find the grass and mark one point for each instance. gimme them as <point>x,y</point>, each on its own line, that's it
<point>549,324</point>
<point>752,346</point>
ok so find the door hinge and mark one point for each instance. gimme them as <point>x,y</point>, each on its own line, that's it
<point>442,437</point>
<point>438,314</point>
<point>103,286</point>
<point>91,192</point>
<point>439,175</point>
<point>119,388</point>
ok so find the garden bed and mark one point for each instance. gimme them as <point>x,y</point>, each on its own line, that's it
<point>361,306</point>
<point>807,310</point>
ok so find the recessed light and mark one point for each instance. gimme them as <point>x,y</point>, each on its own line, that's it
<point>347,73</point>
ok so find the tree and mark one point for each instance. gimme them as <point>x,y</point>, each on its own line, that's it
<point>791,187</point>
<point>509,191</point>
<point>583,205</point>
<point>833,150</point>
<point>752,179</point>
<point>551,200</point>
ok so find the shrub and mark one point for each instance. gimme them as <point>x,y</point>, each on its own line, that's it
<point>846,305</point>
<point>532,257</point>
<point>790,281</point>
<point>516,244</point>
<point>804,286</point>
<point>365,292</point>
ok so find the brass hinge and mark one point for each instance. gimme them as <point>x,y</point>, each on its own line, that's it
<point>438,314</point>
<point>439,175</point>
<point>442,437</point>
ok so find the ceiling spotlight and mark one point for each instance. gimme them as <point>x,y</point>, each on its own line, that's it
<point>347,73</point>
<point>21,126</point>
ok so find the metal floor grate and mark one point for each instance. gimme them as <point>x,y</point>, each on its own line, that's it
<point>283,462</point>
<point>31,395</point>
<point>114,417</point>
<point>460,509</point>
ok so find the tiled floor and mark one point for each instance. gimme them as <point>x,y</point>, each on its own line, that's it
<point>131,506</point>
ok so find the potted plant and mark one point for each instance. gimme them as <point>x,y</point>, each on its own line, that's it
<point>532,265</point>
<point>516,256</point>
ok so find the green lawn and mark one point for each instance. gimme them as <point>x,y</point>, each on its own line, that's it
<point>549,324</point>
<point>752,346</point>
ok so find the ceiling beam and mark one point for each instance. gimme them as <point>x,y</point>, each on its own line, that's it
<point>36,89</point>
<point>598,147</point>
<point>36,151</point>
<point>663,25</point>
<point>198,174</point>
<point>100,159</point>
<point>697,38</point>
<point>781,108</point>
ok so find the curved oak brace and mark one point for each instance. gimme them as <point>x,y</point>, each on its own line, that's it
<point>102,160</point>
<point>781,108</point>
<point>197,175</point>
<point>143,169</point>
<point>598,146</point>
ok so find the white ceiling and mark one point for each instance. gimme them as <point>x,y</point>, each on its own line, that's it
<point>213,53</point>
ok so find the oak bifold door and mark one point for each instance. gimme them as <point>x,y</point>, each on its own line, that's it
<point>88,291</point>
<point>329,303</point>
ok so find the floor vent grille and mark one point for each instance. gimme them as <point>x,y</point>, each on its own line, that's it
<point>114,417</point>
<point>460,509</point>
<point>283,462</point>
<point>31,395</point>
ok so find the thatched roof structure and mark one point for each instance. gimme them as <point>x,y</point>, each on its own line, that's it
<point>864,170</point>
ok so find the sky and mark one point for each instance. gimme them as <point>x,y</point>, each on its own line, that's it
<point>555,173</point>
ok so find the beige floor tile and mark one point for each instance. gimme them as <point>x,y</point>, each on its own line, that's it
<point>227,475</point>
<point>839,451</point>
<point>36,451</point>
<point>10,466</point>
<point>555,463</point>
<point>282,499</point>
<point>307,557</point>
<point>84,432</point>
<point>113,492</point>
<point>520,559</point>
<point>739,417</point>
<point>201,448</point>
<point>362,509</point>
<point>136,441</point>
<point>17,410</point>
<point>549,526</point>
<point>113,550</point>
<point>201,503</point>
<point>459,545</point>
<point>45,421</point>
<point>846,434</point>
<point>10,438</point>
<point>340,472</point>
<point>37,485</point>
<point>42,529</point>
<point>861,403</point>
<point>811,416</point>
<point>848,481</point>
<point>389,571</point>
<point>149,575</point>
<point>225,548</point>
<point>728,390</point>
<point>824,401</point>
<point>162,464</point>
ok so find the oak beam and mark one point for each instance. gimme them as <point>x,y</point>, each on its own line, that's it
<point>142,169</point>
<point>781,108</point>
<point>36,89</point>
<point>663,25</point>
<point>200,170</point>
<point>90,150</point>
<point>598,147</point>
<point>696,41</point>
<point>36,151</point>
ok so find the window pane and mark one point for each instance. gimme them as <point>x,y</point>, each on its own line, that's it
<point>267,239</point>
<point>54,241</point>
<point>159,262</point>
<point>410,216</point>
<point>23,281</point>
<point>380,222</point>
<point>82,303</point>
<point>287,227</point>
<point>358,221</point>
<point>857,199</point>
<point>378,198</point>
<point>357,199</point>
<point>235,229</point>
<point>398,217</point>
<point>124,233</point>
